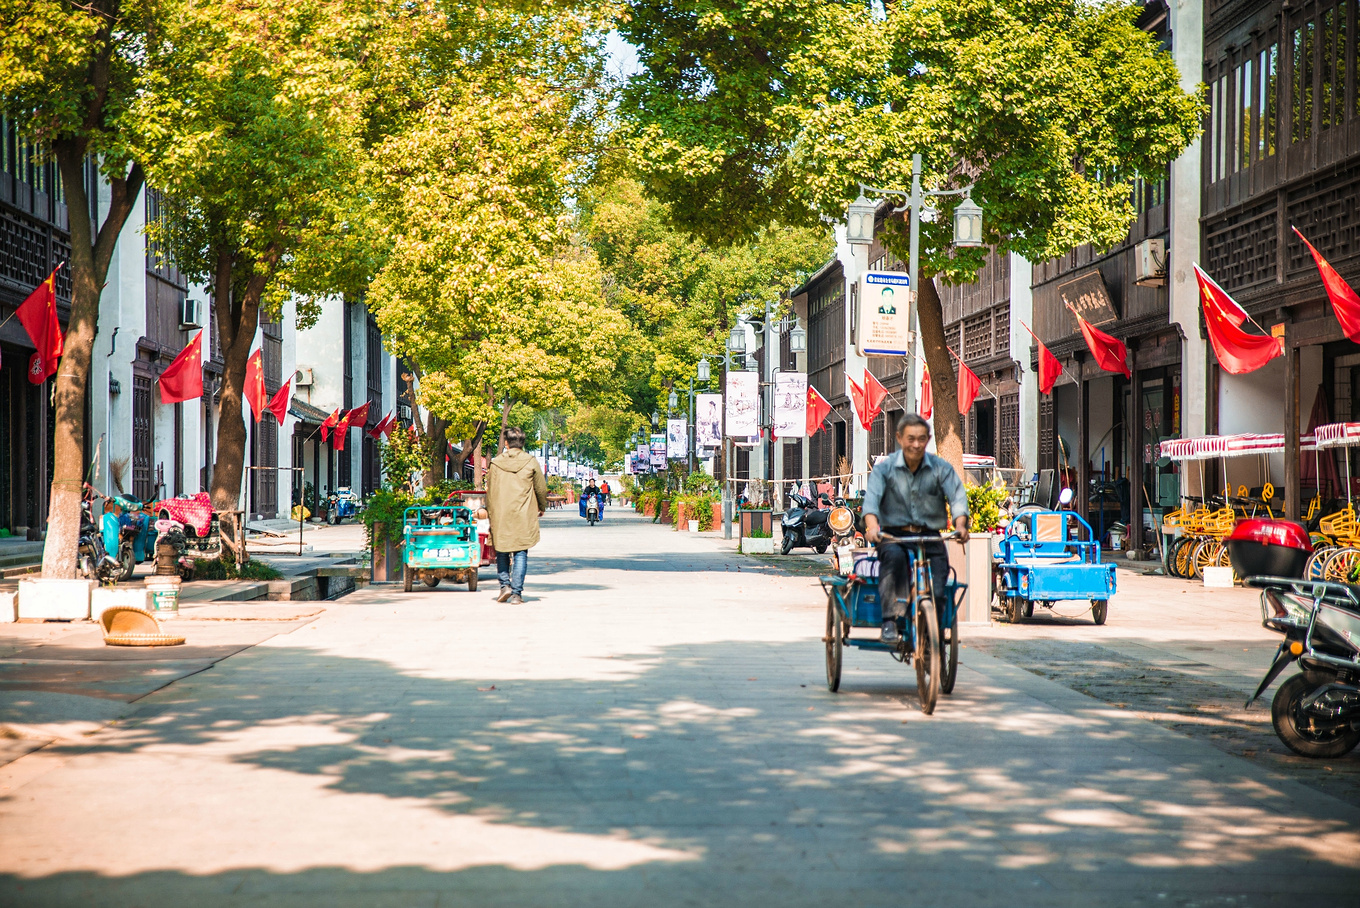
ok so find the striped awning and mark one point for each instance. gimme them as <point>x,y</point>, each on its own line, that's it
<point>1247,444</point>
<point>1338,434</point>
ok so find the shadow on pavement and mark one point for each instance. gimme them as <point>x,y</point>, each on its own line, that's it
<point>688,783</point>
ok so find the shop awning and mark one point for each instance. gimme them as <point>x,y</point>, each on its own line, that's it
<point>1207,447</point>
<point>305,412</point>
<point>978,462</point>
<point>1338,435</point>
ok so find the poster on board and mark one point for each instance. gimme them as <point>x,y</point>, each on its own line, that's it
<point>743,404</point>
<point>790,404</point>
<point>677,439</point>
<point>885,301</point>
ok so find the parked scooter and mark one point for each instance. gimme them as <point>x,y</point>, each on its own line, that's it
<point>95,562</point>
<point>592,509</point>
<point>343,503</point>
<point>805,525</point>
<point>1316,713</point>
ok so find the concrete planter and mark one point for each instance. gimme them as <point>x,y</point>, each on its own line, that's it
<point>752,520</point>
<point>62,600</point>
<point>763,545</point>
<point>387,562</point>
<point>9,606</point>
<point>114,597</point>
<point>973,565</point>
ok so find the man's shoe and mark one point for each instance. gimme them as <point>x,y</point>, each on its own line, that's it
<point>890,634</point>
<point>514,599</point>
<point>504,594</point>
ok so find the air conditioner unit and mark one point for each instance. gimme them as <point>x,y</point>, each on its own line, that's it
<point>404,412</point>
<point>190,314</point>
<point>1149,263</point>
<point>303,378</point>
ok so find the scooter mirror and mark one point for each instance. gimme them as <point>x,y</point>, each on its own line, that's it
<point>1065,497</point>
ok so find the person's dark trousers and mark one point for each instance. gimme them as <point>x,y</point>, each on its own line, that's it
<point>894,567</point>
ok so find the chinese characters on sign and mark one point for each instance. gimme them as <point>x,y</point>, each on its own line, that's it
<point>1087,294</point>
<point>885,301</point>
<point>790,404</point>
<point>743,404</point>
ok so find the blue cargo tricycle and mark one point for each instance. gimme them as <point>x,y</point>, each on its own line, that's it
<point>440,543</point>
<point>929,632</point>
<point>1047,557</point>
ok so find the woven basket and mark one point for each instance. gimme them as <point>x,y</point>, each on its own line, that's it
<point>127,626</point>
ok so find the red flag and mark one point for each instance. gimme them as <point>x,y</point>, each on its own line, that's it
<point>874,392</point>
<point>968,385</point>
<point>380,428</point>
<point>857,399</point>
<point>1110,352</point>
<point>927,396</point>
<point>278,404</point>
<point>1238,352</point>
<point>341,432</point>
<point>38,315</point>
<point>331,422</point>
<point>254,386</point>
<point>1049,366</point>
<point>183,379</point>
<point>358,416</point>
<point>391,426</point>
<point>1345,301</point>
<point>817,411</point>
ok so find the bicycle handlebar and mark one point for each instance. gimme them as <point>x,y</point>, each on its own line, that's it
<point>917,540</point>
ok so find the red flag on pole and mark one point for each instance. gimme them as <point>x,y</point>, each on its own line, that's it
<point>253,391</point>
<point>278,404</point>
<point>341,432</point>
<point>38,314</point>
<point>874,392</point>
<point>858,400</point>
<point>817,411</point>
<point>380,428</point>
<point>331,422</point>
<point>1345,301</point>
<point>927,395</point>
<point>358,416</point>
<point>968,384</point>
<point>1050,368</point>
<point>183,379</point>
<point>1109,352</point>
<point>391,426</point>
<point>1238,352</point>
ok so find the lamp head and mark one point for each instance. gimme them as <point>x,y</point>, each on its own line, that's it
<point>968,223</point>
<point>859,221</point>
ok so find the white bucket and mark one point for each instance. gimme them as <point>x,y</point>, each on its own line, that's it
<point>164,596</point>
<point>694,526</point>
<point>1116,540</point>
<point>1218,578</point>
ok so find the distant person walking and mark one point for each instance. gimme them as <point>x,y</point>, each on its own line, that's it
<point>516,496</point>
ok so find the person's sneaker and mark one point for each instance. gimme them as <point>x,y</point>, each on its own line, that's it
<point>504,594</point>
<point>890,634</point>
<point>514,599</point>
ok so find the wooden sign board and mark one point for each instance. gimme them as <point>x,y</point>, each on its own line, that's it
<point>1087,294</point>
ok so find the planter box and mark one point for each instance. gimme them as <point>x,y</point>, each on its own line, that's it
<point>972,564</point>
<point>9,606</point>
<point>387,562</point>
<point>665,511</point>
<point>649,509</point>
<point>682,516</point>
<point>717,515</point>
<point>751,520</point>
<point>63,600</point>
<point>761,546</point>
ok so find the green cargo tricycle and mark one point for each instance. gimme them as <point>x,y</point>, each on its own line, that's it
<point>440,544</point>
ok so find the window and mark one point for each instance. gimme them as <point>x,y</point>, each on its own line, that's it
<point>1265,136</point>
<point>1302,58</point>
<point>1242,157</point>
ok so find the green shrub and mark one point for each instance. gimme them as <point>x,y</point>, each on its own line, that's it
<point>758,532</point>
<point>984,505</point>
<point>221,569</point>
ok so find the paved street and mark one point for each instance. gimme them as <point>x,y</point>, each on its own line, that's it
<point>653,728</point>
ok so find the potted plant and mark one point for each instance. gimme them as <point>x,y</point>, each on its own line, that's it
<point>756,521</point>
<point>758,542</point>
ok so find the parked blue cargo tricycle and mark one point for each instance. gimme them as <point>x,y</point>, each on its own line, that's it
<point>1047,557</point>
<point>929,635</point>
<point>440,543</point>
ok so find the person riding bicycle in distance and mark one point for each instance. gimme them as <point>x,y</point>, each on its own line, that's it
<point>906,496</point>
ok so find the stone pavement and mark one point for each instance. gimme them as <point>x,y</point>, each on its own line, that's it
<point>653,728</point>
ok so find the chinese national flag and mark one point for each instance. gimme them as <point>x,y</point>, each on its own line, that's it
<point>38,315</point>
<point>183,379</point>
<point>857,399</point>
<point>1109,352</point>
<point>341,431</point>
<point>381,427</point>
<point>391,425</point>
<point>874,392</point>
<point>278,404</point>
<point>927,395</point>
<point>1049,369</point>
<point>968,387</point>
<point>1238,352</point>
<point>358,416</point>
<point>1345,301</point>
<point>331,422</point>
<point>253,391</point>
<point>817,411</point>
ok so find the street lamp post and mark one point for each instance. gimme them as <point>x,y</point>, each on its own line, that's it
<point>967,232</point>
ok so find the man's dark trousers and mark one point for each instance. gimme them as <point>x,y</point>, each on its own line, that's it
<point>894,570</point>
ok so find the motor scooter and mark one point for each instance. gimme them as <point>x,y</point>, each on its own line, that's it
<point>95,562</point>
<point>592,509</point>
<point>804,525</point>
<point>1316,713</point>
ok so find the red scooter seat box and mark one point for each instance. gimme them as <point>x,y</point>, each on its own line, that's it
<point>1264,547</point>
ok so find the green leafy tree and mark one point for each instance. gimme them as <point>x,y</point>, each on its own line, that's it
<point>260,168</point>
<point>70,75</point>
<point>1050,108</point>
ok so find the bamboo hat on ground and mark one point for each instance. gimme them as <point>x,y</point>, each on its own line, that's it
<point>127,626</point>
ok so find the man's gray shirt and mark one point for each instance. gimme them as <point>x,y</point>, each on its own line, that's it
<point>899,498</point>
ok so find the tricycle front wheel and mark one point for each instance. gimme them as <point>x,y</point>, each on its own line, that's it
<point>834,645</point>
<point>927,654</point>
<point>408,579</point>
<point>949,640</point>
<point>1020,609</point>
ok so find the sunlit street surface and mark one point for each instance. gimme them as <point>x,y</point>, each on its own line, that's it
<point>653,728</point>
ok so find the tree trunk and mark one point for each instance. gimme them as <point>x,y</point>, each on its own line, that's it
<point>437,437</point>
<point>943,381</point>
<point>506,406</point>
<point>89,264</point>
<point>237,319</point>
<point>468,445</point>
